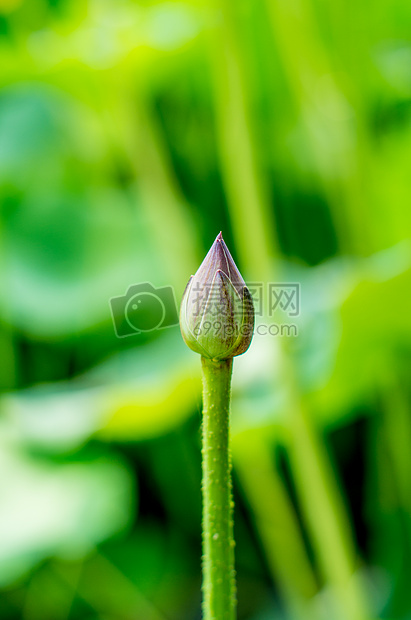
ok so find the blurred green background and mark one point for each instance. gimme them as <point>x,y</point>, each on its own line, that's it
<point>131,133</point>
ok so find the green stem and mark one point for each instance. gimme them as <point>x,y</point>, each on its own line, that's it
<point>218,542</point>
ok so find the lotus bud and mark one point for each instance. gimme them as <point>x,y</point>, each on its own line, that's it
<point>217,313</point>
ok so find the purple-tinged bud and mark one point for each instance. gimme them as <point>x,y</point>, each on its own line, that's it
<point>217,313</point>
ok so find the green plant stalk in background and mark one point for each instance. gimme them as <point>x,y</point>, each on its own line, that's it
<point>276,521</point>
<point>326,517</point>
<point>219,601</point>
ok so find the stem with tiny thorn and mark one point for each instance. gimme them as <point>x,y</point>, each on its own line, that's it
<point>219,591</point>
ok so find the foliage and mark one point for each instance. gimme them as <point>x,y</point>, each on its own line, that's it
<point>131,133</point>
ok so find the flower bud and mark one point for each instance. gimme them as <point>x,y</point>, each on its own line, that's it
<point>217,313</point>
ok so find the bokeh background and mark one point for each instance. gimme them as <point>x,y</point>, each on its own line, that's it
<point>131,133</point>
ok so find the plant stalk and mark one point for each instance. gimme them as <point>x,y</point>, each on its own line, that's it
<point>219,590</point>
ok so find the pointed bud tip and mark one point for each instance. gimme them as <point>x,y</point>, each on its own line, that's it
<point>217,290</point>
